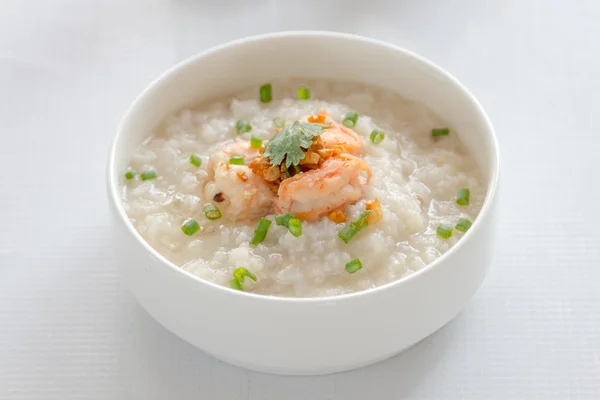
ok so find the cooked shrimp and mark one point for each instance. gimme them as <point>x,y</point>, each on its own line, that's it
<point>336,134</point>
<point>237,148</point>
<point>337,182</point>
<point>236,190</point>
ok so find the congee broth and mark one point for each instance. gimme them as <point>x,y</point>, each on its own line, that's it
<point>303,188</point>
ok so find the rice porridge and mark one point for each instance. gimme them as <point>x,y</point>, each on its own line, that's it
<point>303,189</point>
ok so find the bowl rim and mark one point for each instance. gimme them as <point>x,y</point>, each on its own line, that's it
<point>116,201</point>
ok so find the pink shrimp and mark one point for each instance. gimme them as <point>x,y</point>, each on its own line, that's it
<point>235,189</point>
<point>336,135</point>
<point>337,182</point>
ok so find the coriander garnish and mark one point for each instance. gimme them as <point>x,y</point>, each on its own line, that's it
<point>289,141</point>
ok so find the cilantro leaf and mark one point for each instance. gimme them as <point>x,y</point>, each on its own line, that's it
<point>289,142</point>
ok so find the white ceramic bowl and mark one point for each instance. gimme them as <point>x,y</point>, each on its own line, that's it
<point>312,335</point>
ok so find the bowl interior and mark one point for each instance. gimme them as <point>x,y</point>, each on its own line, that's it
<point>313,55</point>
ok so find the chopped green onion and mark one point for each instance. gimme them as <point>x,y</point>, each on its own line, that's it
<point>236,160</point>
<point>255,142</point>
<point>130,174</point>
<point>195,160</point>
<point>350,119</point>
<point>235,284</point>
<point>243,126</point>
<point>238,278</point>
<point>377,136</point>
<point>444,231</point>
<point>265,93</point>
<point>464,197</point>
<point>304,93</point>
<point>260,232</point>
<point>440,132</point>
<point>354,227</point>
<point>240,273</point>
<point>278,122</point>
<point>211,211</point>
<point>287,173</point>
<point>463,225</point>
<point>284,219</point>
<point>295,227</point>
<point>353,266</point>
<point>147,175</point>
<point>297,169</point>
<point>190,226</point>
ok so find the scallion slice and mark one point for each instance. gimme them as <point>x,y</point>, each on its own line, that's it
<point>240,273</point>
<point>211,211</point>
<point>195,160</point>
<point>238,278</point>
<point>260,232</point>
<point>147,175</point>
<point>256,142</point>
<point>350,119</point>
<point>278,122</point>
<point>242,126</point>
<point>444,231</point>
<point>130,174</point>
<point>354,227</point>
<point>353,266</point>
<point>266,93</point>
<point>235,284</point>
<point>304,93</point>
<point>464,197</point>
<point>377,136</point>
<point>236,160</point>
<point>190,226</point>
<point>295,227</point>
<point>440,132</point>
<point>463,225</point>
<point>283,219</point>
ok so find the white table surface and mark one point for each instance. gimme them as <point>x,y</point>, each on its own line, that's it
<point>70,330</point>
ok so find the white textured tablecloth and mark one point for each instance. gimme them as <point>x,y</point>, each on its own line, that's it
<point>70,330</point>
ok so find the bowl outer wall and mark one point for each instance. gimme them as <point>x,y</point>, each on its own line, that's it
<point>318,335</point>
